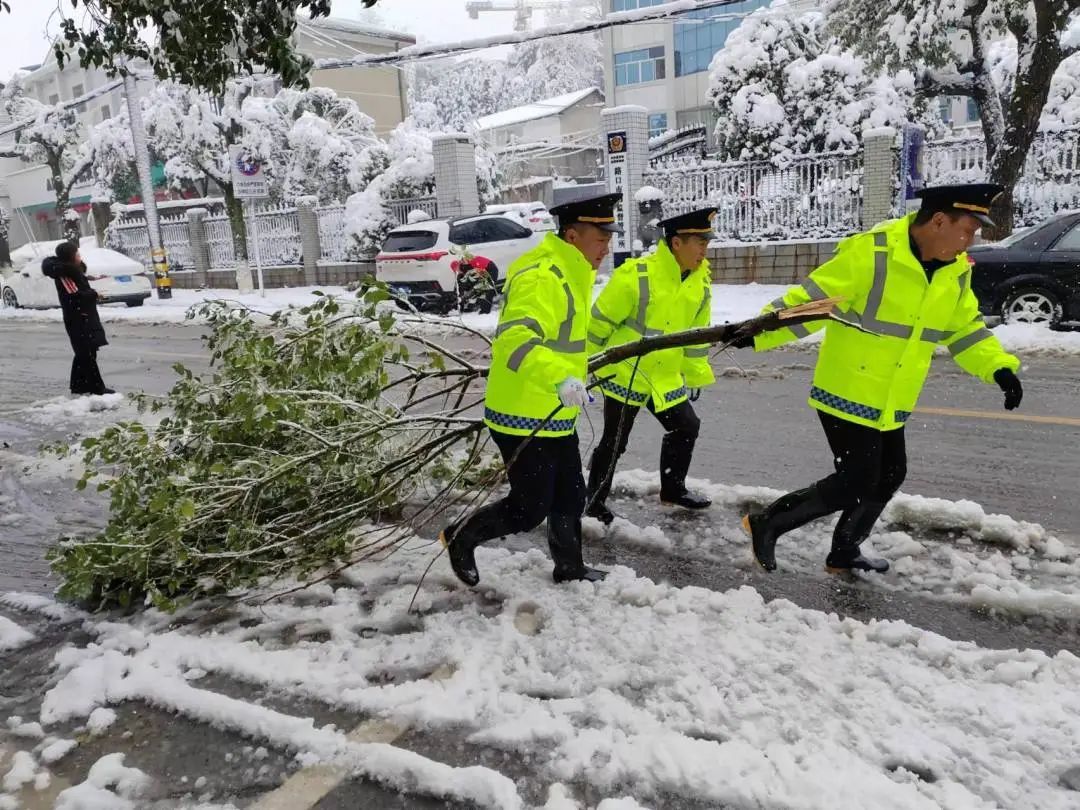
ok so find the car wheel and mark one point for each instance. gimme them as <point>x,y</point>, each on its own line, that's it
<point>138,303</point>
<point>10,299</point>
<point>1031,305</point>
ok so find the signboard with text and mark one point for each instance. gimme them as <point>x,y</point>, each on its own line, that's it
<point>248,178</point>
<point>617,184</point>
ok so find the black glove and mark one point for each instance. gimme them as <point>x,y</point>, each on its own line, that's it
<point>1009,383</point>
<point>693,394</point>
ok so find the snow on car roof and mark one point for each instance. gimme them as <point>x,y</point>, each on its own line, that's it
<point>98,260</point>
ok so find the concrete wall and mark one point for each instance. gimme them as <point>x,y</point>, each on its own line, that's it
<point>277,277</point>
<point>769,262</point>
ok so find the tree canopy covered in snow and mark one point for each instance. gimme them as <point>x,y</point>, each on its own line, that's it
<point>54,136</point>
<point>467,89</point>
<point>784,85</point>
<point>1004,54</point>
<point>408,171</point>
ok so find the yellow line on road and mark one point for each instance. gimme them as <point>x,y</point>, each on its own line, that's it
<point>1037,419</point>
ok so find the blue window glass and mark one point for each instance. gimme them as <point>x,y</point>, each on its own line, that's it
<point>635,67</point>
<point>704,33</point>
<point>972,110</point>
<point>657,124</point>
<point>630,5</point>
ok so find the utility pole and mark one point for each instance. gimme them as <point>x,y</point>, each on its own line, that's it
<point>142,165</point>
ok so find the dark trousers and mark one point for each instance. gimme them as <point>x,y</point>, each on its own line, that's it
<point>545,479</point>
<point>870,464</point>
<point>676,450</point>
<point>85,374</point>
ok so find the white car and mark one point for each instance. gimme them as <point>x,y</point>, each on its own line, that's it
<point>420,261</point>
<point>533,215</point>
<point>116,278</point>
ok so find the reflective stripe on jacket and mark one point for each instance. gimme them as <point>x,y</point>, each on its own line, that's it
<point>874,359</point>
<point>540,340</point>
<point>645,297</point>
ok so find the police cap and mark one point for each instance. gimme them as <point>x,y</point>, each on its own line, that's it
<point>694,223</point>
<point>598,211</point>
<point>973,199</point>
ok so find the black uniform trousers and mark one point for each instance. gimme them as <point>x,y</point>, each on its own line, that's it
<point>545,482</point>
<point>870,467</point>
<point>676,449</point>
<point>85,374</point>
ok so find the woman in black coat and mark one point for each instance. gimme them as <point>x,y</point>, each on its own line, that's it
<point>78,300</point>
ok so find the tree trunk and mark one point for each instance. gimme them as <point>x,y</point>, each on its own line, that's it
<point>102,213</point>
<point>235,209</point>
<point>69,220</point>
<point>1037,61</point>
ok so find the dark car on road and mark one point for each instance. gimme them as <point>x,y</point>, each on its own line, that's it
<point>1032,276</point>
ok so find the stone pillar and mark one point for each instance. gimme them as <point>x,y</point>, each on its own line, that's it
<point>200,248</point>
<point>455,175</point>
<point>310,248</point>
<point>879,173</point>
<point>626,151</point>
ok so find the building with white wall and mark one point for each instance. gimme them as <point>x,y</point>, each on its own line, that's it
<point>553,137</point>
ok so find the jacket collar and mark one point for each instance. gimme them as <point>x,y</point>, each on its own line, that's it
<point>899,241</point>
<point>667,259</point>
<point>568,257</point>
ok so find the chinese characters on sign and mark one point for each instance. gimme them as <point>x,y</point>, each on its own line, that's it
<point>616,173</point>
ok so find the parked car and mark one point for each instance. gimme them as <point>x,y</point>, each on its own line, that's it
<point>1032,276</point>
<point>534,215</point>
<point>422,261</point>
<point>117,278</point>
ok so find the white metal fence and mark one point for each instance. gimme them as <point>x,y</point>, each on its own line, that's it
<point>1050,181</point>
<point>131,238</point>
<point>334,242</point>
<point>813,196</point>
<point>219,242</point>
<point>402,208</point>
<point>278,232</point>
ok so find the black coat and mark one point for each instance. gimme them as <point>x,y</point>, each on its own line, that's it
<point>78,300</point>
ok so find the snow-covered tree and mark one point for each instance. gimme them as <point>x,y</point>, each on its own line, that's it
<point>54,137</point>
<point>551,67</point>
<point>461,91</point>
<point>952,46</point>
<point>409,171</point>
<point>784,86</point>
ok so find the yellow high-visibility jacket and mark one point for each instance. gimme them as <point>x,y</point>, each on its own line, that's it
<point>540,340</point>
<point>873,362</point>
<point>648,296</point>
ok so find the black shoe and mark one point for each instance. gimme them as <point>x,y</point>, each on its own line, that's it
<point>462,555</point>
<point>782,515</point>
<point>763,543</point>
<point>838,563</point>
<point>601,512</point>
<point>585,574</point>
<point>107,391</point>
<point>687,500</point>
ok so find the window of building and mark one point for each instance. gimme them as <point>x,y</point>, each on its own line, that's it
<point>972,110</point>
<point>945,109</point>
<point>54,99</point>
<point>77,91</point>
<point>636,67</point>
<point>106,113</point>
<point>630,5</point>
<point>704,32</point>
<point>657,124</point>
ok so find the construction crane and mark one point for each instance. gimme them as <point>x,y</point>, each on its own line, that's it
<point>522,9</point>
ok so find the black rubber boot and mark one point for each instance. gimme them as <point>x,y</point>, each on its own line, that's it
<point>784,514</point>
<point>687,500</point>
<point>462,537</point>
<point>564,540</point>
<point>853,527</point>
<point>601,512</point>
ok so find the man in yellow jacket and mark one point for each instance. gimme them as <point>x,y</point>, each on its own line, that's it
<point>535,389</point>
<point>906,289</point>
<point>667,291</point>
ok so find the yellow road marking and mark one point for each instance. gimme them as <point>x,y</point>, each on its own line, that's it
<point>1037,419</point>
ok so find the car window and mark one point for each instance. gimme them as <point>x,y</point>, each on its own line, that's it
<point>467,233</point>
<point>407,241</point>
<point>1070,241</point>
<point>505,229</point>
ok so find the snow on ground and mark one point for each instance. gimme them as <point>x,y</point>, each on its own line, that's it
<point>946,549</point>
<point>730,302</point>
<point>649,692</point>
<point>12,636</point>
